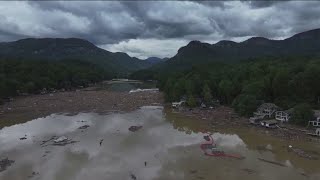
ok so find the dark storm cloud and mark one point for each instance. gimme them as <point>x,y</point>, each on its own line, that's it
<point>262,4</point>
<point>130,26</point>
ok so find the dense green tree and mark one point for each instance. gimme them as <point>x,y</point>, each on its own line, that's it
<point>226,88</point>
<point>302,114</point>
<point>31,76</point>
<point>245,104</point>
<point>207,97</point>
<point>283,81</point>
<point>191,102</point>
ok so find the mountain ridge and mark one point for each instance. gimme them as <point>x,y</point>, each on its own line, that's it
<point>196,52</point>
<point>70,48</point>
<point>155,60</point>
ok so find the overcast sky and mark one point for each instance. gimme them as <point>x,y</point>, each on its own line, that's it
<point>144,29</point>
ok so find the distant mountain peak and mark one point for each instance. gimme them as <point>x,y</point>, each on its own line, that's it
<point>47,40</point>
<point>225,43</point>
<point>311,34</point>
<point>155,60</point>
<point>56,49</point>
<point>257,40</point>
<point>302,44</point>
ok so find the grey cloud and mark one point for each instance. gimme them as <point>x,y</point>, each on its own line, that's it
<point>114,23</point>
<point>263,4</point>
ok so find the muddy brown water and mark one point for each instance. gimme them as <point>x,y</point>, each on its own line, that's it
<point>167,142</point>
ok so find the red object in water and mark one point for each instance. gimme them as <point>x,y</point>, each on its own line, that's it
<point>204,146</point>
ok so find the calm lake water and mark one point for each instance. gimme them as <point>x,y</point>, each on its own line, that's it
<point>167,142</point>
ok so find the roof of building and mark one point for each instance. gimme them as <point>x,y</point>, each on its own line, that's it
<point>267,106</point>
<point>316,113</point>
<point>288,111</point>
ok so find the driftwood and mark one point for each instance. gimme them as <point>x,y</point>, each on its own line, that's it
<point>272,162</point>
<point>134,128</point>
<point>45,141</point>
<point>4,163</point>
<point>84,127</point>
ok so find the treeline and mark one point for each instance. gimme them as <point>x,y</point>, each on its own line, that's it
<point>286,82</point>
<point>32,76</point>
<point>143,75</point>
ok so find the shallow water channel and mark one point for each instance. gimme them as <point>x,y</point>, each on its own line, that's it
<point>166,147</point>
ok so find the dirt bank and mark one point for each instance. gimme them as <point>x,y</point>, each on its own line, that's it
<point>22,109</point>
<point>225,117</point>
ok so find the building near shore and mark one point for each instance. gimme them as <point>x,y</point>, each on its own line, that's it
<point>269,123</point>
<point>283,116</point>
<point>177,104</point>
<point>266,110</point>
<point>316,121</point>
<point>318,131</point>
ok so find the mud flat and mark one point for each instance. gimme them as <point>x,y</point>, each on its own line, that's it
<point>225,117</point>
<point>22,109</point>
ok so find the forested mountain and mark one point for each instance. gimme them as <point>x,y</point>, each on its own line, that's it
<point>70,48</point>
<point>155,60</point>
<point>31,65</point>
<point>244,75</point>
<point>287,82</point>
<point>196,52</point>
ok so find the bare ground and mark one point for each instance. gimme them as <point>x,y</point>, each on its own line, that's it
<point>22,109</point>
<point>226,117</point>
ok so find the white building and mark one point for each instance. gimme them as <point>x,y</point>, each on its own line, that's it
<point>269,123</point>
<point>318,132</point>
<point>283,116</point>
<point>266,110</point>
<point>316,122</point>
<point>177,104</point>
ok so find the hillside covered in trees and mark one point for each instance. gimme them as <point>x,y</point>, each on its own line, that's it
<point>286,82</point>
<point>245,74</point>
<point>57,49</point>
<point>196,52</point>
<point>32,76</point>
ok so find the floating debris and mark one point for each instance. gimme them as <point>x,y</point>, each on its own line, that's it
<point>46,153</point>
<point>249,171</point>
<point>45,141</point>
<point>84,127</point>
<point>22,138</point>
<point>4,163</point>
<point>133,177</point>
<point>82,121</point>
<point>272,162</point>
<point>62,141</point>
<point>33,174</point>
<point>101,142</point>
<point>303,153</point>
<point>134,128</point>
<point>207,138</point>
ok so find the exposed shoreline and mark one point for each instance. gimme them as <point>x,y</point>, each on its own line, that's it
<point>23,109</point>
<point>225,117</point>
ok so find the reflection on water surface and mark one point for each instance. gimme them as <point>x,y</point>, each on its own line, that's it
<point>166,147</point>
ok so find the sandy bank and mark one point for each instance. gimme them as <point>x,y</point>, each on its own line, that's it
<point>22,109</point>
